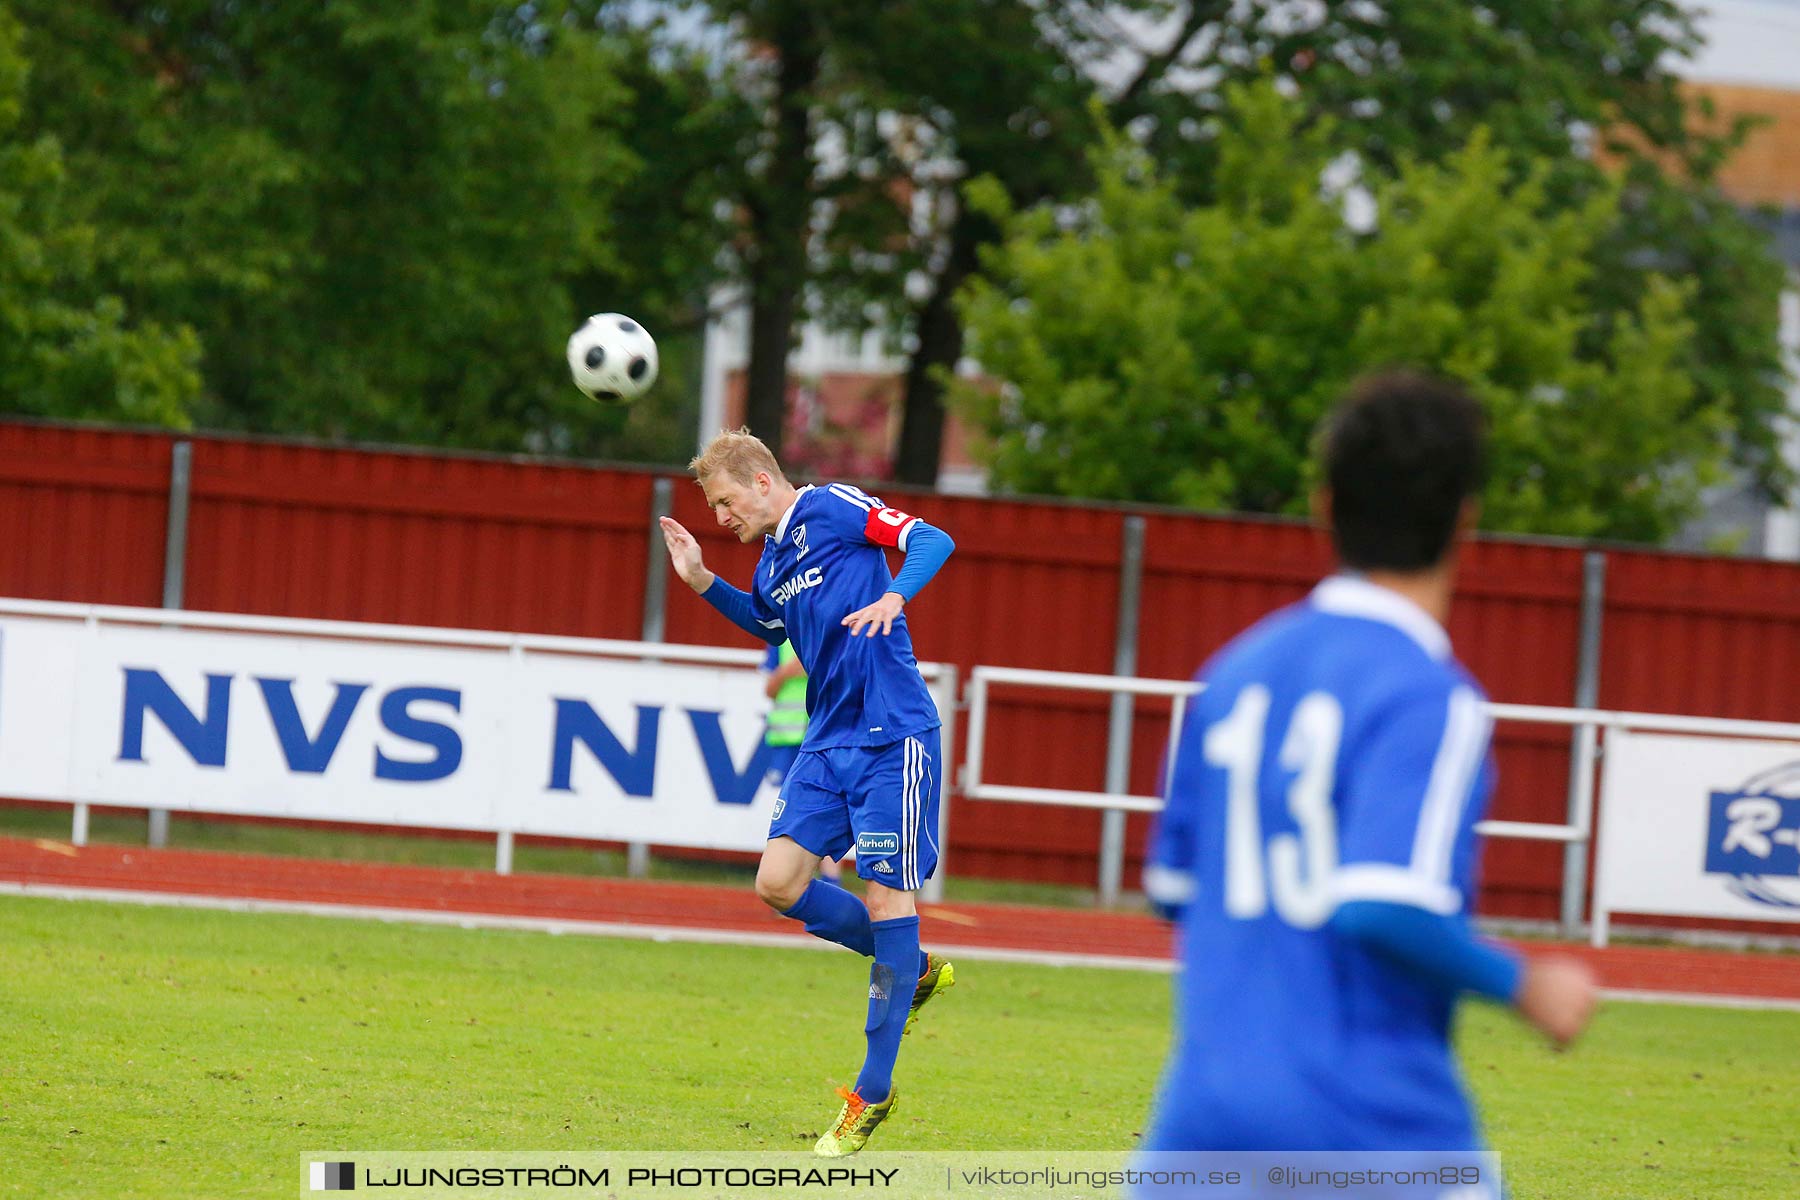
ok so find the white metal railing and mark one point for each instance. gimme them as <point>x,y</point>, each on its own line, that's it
<point>940,678</point>
<point>1587,722</point>
<point>1178,690</point>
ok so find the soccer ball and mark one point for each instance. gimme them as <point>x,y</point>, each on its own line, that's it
<point>612,358</point>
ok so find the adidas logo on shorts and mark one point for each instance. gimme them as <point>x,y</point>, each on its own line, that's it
<point>881,867</point>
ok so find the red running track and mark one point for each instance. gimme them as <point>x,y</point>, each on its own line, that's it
<point>44,863</point>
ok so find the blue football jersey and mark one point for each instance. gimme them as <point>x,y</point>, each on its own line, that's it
<point>1337,752</point>
<point>823,562</point>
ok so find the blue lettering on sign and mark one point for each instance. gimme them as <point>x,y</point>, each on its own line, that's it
<point>401,723</point>
<point>635,770</point>
<point>308,755</point>
<point>730,785</point>
<point>203,737</point>
<point>1753,835</point>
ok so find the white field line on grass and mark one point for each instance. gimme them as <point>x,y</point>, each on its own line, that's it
<point>722,937</point>
<point>554,925</point>
<point>1701,1000</point>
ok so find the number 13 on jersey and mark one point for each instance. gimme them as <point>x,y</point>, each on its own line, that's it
<point>1294,869</point>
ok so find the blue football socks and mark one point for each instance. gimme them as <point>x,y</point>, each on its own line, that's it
<point>891,981</point>
<point>829,912</point>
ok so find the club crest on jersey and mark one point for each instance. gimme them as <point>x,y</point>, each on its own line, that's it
<point>810,578</point>
<point>800,546</point>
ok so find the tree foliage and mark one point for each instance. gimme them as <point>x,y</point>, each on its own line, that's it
<point>68,346</point>
<point>1584,91</point>
<point>380,221</point>
<point>1158,351</point>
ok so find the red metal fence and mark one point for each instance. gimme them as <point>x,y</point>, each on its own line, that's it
<point>495,543</point>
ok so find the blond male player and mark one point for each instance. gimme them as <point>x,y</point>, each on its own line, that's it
<point>867,773</point>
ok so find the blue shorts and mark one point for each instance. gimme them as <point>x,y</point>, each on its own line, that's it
<point>880,800</point>
<point>780,762</point>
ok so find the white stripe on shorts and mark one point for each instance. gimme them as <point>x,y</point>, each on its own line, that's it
<point>910,842</point>
<point>906,769</point>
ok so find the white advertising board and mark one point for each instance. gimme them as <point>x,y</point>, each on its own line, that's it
<point>331,728</point>
<point>1699,827</point>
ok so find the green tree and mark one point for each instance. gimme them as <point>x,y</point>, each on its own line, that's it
<point>67,348</point>
<point>1154,350</point>
<point>1547,80</point>
<point>815,175</point>
<point>382,220</point>
<point>1008,90</point>
<point>670,211</point>
<point>855,111</point>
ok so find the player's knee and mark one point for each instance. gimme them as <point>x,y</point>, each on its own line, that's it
<point>778,891</point>
<point>888,904</point>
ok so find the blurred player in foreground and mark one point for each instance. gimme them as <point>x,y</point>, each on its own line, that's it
<point>1318,846</point>
<point>866,776</point>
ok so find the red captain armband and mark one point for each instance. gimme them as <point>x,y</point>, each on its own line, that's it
<point>887,527</point>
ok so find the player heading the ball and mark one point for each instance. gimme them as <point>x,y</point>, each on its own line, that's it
<point>867,774</point>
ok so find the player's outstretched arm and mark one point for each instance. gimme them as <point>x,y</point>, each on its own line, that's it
<point>685,556</point>
<point>740,608</point>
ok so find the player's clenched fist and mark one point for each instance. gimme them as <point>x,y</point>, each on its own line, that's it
<point>684,555</point>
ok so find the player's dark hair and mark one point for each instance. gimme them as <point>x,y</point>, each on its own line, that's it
<point>1402,451</point>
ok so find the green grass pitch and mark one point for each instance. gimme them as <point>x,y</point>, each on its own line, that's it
<point>155,1052</point>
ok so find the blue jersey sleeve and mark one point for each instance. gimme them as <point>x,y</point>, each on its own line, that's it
<point>746,610</point>
<point>853,514</point>
<point>1438,948</point>
<point>928,549</point>
<point>1409,801</point>
<point>1171,881</point>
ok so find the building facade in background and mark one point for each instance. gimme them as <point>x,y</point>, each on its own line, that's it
<point>844,399</point>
